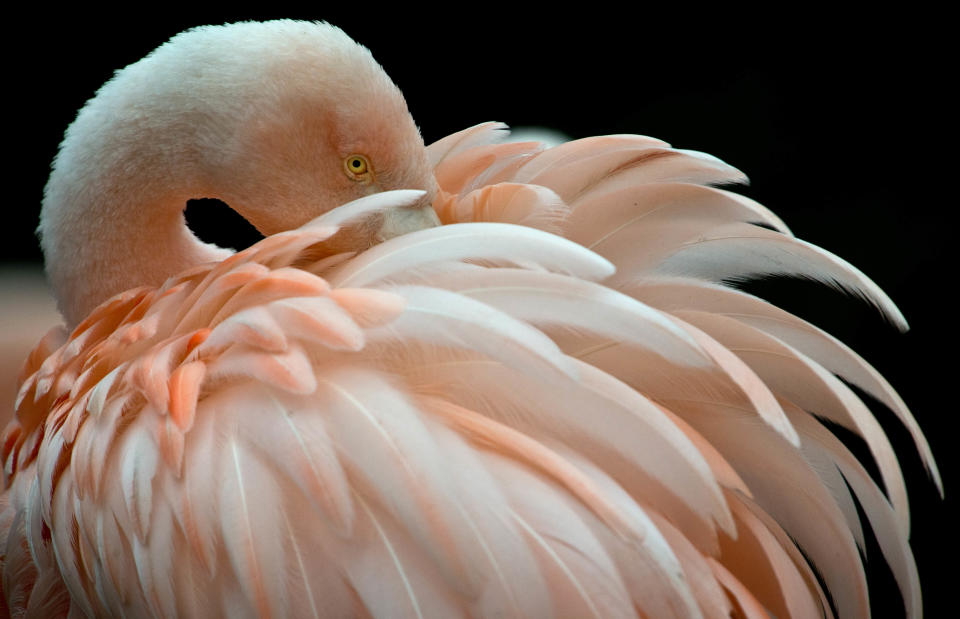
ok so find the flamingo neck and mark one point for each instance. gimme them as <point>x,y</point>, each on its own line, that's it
<point>106,232</point>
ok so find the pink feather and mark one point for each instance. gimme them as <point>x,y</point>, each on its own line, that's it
<point>478,378</point>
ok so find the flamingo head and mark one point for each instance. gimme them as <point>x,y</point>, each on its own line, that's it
<point>321,125</point>
<point>283,121</point>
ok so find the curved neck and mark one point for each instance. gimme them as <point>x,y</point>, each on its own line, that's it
<point>109,224</point>
<point>257,115</point>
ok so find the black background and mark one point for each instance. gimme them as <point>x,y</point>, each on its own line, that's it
<point>842,125</point>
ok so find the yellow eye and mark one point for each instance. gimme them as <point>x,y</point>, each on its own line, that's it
<point>356,167</point>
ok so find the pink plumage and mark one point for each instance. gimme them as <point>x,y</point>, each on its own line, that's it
<point>547,405</point>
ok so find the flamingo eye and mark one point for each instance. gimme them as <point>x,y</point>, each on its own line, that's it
<point>357,167</point>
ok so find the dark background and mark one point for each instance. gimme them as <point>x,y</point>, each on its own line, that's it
<point>840,124</point>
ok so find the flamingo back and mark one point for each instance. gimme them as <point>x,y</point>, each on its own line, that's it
<point>552,405</point>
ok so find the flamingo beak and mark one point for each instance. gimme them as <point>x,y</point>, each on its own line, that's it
<point>409,219</point>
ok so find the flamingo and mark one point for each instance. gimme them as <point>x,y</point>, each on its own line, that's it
<point>548,404</point>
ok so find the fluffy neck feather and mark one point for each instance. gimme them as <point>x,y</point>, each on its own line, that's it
<point>108,228</point>
<point>112,216</point>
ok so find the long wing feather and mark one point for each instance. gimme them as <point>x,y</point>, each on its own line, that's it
<point>633,166</point>
<point>742,251</point>
<point>671,294</point>
<point>784,369</point>
<point>599,217</point>
<point>628,435</point>
<point>787,488</point>
<point>881,515</point>
<point>778,584</point>
<point>481,241</point>
<point>553,300</point>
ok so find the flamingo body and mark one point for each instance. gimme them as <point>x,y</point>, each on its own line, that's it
<point>549,405</point>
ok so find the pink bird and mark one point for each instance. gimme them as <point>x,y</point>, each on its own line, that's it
<point>478,378</point>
